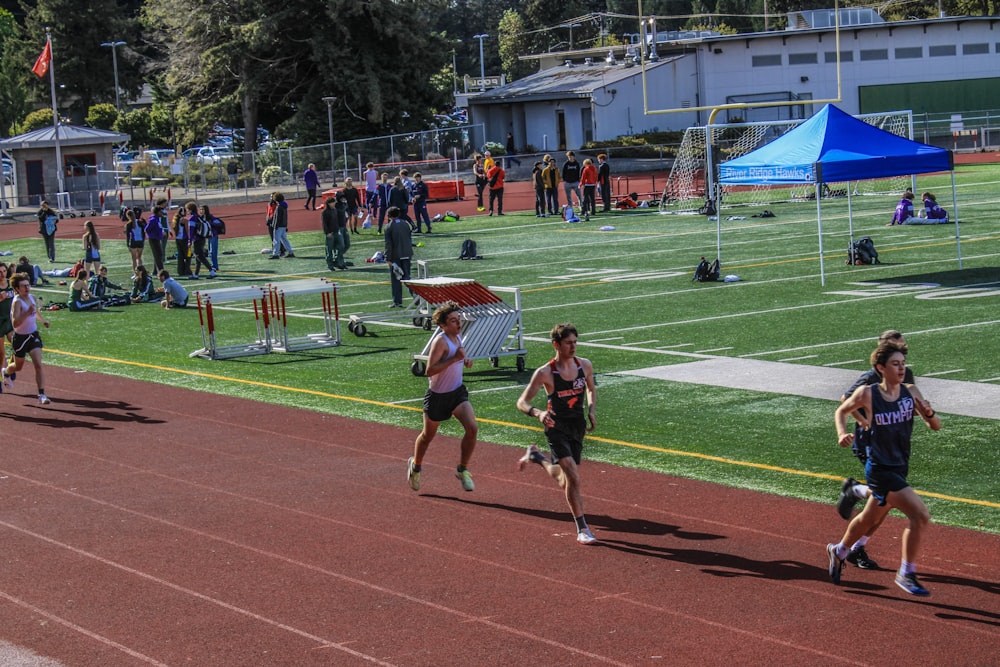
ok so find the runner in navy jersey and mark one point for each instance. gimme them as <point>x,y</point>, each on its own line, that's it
<point>891,405</point>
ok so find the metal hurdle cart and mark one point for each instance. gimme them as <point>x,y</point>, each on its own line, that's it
<point>281,340</point>
<point>418,310</point>
<point>211,349</point>
<point>492,327</point>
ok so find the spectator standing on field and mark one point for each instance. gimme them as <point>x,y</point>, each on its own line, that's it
<point>419,192</point>
<point>154,234</point>
<point>91,247</point>
<point>311,180</point>
<point>398,253</point>
<point>399,197</point>
<point>281,246</point>
<point>352,196</point>
<point>182,238</point>
<point>201,231</point>
<point>217,227</point>
<point>588,180</point>
<point>371,183</point>
<point>479,172</point>
<point>536,179</point>
<point>495,176</point>
<point>571,179</point>
<point>382,192</point>
<point>135,235</point>
<point>48,223</point>
<point>550,178</point>
<point>604,181</point>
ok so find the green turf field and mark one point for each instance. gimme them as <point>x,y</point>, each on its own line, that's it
<point>629,291</point>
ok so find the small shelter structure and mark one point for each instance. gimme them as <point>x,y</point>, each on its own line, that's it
<point>88,164</point>
<point>835,147</point>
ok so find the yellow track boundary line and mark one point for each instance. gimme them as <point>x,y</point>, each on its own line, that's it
<point>497,422</point>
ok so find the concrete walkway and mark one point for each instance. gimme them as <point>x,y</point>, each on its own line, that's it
<point>970,399</point>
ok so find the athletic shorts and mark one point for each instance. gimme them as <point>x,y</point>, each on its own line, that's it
<point>132,243</point>
<point>884,479</point>
<point>25,343</point>
<point>439,407</point>
<point>92,255</point>
<point>563,444</point>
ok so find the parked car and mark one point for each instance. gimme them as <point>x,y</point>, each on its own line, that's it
<point>158,156</point>
<point>207,154</point>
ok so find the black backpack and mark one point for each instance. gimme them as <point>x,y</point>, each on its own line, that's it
<point>203,228</point>
<point>862,251</point>
<point>469,250</point>
<point>220,226</point>
<point>707,272</point>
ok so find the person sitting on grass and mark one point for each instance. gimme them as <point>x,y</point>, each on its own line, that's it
<point>99,284</point>
<point>143,290</point>
<point>80,297</point>
<point>33,271</point>
<point>904,210</point>
<point>174,294</point>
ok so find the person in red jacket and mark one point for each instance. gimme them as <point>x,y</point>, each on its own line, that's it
<point>588,181</point>
<point>495,176</point>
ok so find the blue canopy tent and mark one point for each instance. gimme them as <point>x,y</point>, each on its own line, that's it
<point>835,147</point>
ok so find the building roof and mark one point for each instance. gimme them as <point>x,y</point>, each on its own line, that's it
<point>574,80</point>
<point>69,135</point>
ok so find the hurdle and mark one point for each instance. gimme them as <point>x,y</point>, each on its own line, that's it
<point>418,310</point>
<point>491,328</point>
<point>281,340</point>
<point>211,349</point>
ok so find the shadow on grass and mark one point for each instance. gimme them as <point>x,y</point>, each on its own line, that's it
<point>954,278</point>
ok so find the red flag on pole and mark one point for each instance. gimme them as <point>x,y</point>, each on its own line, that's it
<point>41,67</point>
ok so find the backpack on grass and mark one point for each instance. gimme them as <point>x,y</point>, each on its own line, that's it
<point>707,272</point>
<point>469,250</point>
<point>862,251</point>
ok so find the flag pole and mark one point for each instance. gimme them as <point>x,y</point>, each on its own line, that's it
<point>55,114</point>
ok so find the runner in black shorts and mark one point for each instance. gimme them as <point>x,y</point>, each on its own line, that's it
<point>446,395</point>
<point>24,316</point>
<point>567,380</point>
<point>889,410</point>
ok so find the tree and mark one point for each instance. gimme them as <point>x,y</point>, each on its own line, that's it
<point>13,89</point>
<point>102,116</point>
<point>513,43</point>
<point>36,120</point>
<point>78,30</point>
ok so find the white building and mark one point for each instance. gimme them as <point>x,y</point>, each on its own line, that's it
<point>934,66</point>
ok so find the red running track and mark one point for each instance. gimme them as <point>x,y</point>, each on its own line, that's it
<point>150,525</point>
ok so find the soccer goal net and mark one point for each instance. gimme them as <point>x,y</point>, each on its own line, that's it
<point>686,188</point>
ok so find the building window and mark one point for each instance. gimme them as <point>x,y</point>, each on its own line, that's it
<point>874,54</point>
<point>943,50</point>
<point>909,52</point>
<point>845,56</point>
<point>802,58</point>
<point>975,49</point>
<point>766,61</point>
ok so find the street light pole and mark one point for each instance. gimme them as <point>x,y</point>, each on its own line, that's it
<point>114,59</point>
<point>482,63</point>
<point>329,116</point>
<point>570,26</point>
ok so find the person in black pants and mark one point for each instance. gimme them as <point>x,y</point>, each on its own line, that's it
<point>48,221</point>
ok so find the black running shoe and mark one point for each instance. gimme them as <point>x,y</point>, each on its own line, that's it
<point>847,500</point>
<point>860,558</point>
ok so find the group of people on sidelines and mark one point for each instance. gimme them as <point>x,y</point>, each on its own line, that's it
<point>930,214</point>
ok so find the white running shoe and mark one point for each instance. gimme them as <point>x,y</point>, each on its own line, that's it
<point>43,399</point>
<point>586,537</point>
<point>8,382</point>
